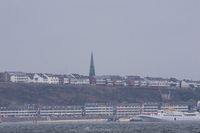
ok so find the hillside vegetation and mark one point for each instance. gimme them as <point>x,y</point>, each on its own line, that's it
<point>19,94</point>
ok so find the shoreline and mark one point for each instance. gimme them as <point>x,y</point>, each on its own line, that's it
<point>57,121</point>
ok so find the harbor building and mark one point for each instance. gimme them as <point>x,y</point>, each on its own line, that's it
<point>179,108</point>
<point>128,109</point>
<point>98,109</point>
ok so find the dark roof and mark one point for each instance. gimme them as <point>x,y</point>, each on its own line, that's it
<point>42,76</point>
<point>77,76</point>
<point>30,75</point>
<point>19,74</point>
<point>155,78</point>
<point>133,77</point>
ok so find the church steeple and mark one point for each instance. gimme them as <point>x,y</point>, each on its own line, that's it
<point>92,69</point>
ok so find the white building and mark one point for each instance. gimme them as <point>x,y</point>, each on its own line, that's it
<point>66,79</point>
<point>100,81</point>
<point>109,82</point>
<point>128,110</point>
<point>99,109</point>
<point>143,83</point>
<point>149,108</point>
<point>119,82</point>
<point>157,82</point>
<point>180,108</point>
<point>184,84</point>
<point>40,78</point>
<point>76,79</point>
<point>18,77</point>
<point>52,79</point>
<point>190,83</point>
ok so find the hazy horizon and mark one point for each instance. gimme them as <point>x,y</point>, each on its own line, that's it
<point>128,37</point>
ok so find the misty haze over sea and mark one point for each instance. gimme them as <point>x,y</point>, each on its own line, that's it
<point>146,38</point>
<point>50,82</point>
<point>162,127</point>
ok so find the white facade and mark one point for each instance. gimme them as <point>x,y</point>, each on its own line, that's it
<point>184,84</point>
<point>109,82</point>
<point>149,108</point>
<point>80,81</point>
<point>143,83</point>
<point>18,77</point>
<point>99,110</point>
<point>180,108</point>
<point>66,80</point>
<point>174,84</point>
<point>129,110</point>
<point>43,112</point>
<point>52,79</point>
<point>40,78</point>
<point>100,81</point>
<point>119,82</point>
<point>157,82</point>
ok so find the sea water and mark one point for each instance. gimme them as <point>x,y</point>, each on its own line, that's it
<point>141,127</point>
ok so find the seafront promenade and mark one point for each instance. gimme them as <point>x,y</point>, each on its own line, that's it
<point>92,111</point>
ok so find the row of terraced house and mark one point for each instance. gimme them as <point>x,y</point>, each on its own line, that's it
<point>106,80</point>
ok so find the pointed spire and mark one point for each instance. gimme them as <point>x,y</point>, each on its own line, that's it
<point>92,68</point>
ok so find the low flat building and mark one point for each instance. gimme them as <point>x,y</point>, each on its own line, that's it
<point>180,108</point>
<point>98,109</point>
<point>128,109</point>
<point>150,108</point>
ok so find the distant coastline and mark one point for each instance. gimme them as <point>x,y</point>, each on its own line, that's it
<point>104,80</point>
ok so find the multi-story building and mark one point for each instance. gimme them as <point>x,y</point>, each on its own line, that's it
<point>180,108</point>
<point>157,82</point>
<point>149,108</point>
<point>95,109</point>
<point>52,79</point>
<point>18,77</point>
<point>76,79</point>
<point>39,78</point>
<point>66,79</point>
<point>128,109</point>
<point>43,112</point>
<point>62,111</point>
<point>143,83</point>
<point>184,84</point>
<point>99,80</point>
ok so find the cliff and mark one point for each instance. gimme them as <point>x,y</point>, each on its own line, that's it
<point>19,94</point>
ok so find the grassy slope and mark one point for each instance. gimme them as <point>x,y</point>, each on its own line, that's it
<point>19,94</point>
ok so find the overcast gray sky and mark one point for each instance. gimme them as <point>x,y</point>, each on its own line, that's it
<point>158,38</point>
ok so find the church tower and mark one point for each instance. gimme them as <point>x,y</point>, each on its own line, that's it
<point>92,70</point>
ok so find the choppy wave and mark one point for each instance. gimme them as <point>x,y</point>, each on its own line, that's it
<point>156,127</point>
